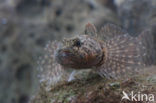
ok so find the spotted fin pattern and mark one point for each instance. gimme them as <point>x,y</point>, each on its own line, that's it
<point>50,72</point>
<point>123,55</point>
<point>108,31</point>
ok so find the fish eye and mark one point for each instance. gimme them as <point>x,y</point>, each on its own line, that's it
<point>77,43</point>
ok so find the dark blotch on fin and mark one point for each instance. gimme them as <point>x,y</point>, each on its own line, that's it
<point>108,31</point>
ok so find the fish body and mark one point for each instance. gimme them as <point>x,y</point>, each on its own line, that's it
<point>111,52</point>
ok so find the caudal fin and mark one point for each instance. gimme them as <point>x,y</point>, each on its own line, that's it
<point>148,42</point>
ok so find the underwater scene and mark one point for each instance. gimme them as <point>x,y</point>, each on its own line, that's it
<point>77,51</point>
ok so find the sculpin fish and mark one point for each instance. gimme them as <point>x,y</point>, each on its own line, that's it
<point>111,52</point>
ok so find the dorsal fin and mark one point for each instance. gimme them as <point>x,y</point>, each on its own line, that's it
<point>108,31</point>
<point>90,29</point>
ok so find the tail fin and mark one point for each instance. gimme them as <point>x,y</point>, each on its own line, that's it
<point>135,15</point>
<point>123,56</point>
<point>148,42</point>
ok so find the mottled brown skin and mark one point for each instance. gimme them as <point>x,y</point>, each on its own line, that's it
<point>80,52</point>
<point>111,57</point>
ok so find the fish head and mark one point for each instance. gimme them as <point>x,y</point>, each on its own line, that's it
<point>79,52</point>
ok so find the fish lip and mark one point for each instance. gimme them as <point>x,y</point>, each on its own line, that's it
<point>62,56</point>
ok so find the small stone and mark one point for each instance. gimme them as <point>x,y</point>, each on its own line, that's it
<point>151,79</point>
<point>115,84</point>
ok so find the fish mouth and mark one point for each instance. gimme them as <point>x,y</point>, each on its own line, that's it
<point>63,57</point>
<point>67,58</point>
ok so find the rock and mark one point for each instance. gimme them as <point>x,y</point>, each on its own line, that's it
<point>94,89</point>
